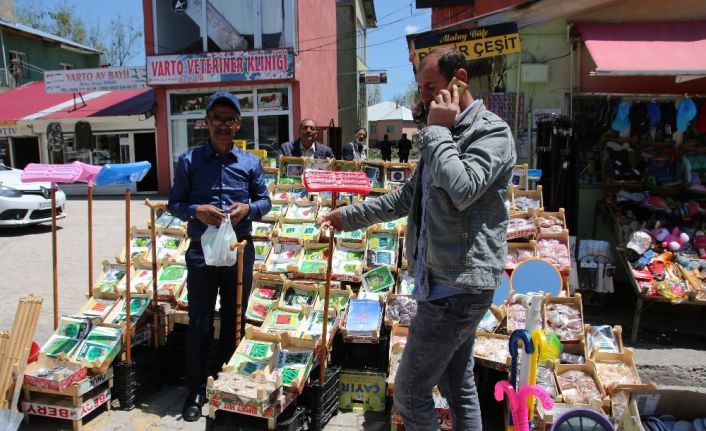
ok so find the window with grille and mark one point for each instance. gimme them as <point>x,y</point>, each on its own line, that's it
<point>18,64</point>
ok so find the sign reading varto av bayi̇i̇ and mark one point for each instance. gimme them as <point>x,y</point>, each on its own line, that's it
<point>86,80</point>
<point>475,43</point>
<point>220,66</point>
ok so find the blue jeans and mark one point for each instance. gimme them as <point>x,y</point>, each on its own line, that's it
<point>204,283</point>
<point>439,351</point>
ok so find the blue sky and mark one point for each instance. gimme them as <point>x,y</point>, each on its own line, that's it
<point>387,46</point>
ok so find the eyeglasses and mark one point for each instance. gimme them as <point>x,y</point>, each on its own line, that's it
<point>218,123</point>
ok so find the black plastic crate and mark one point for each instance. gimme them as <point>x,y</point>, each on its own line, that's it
<point>361,356</point>
<point>137,380</point>
<point>176,354</point>
<point>321,403</point>
<point>293,418</point>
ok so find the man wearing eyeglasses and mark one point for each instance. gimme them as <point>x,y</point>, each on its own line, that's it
<point>306,145</point>
<point>211,182</point>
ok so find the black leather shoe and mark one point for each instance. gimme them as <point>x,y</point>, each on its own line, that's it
<point>191,412</point>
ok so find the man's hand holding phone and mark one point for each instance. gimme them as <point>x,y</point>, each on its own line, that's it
<point>444,109</point>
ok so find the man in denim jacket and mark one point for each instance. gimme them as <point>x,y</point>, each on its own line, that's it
<point>455,203</point>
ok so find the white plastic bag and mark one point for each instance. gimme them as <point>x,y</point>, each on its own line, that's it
<point>216,244</point>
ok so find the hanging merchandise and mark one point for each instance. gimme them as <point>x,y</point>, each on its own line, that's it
<point>653,114</point>
<point>639,121</point>
<point>621,121</point>
<point>668,124</point>
<point>685,113</point>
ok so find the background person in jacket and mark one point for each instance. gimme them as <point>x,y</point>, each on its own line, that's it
<point>212,182</point>
<point>386,149</point>
<point>354,150</point>
<point>404,146</point>
<point>455,241</point>
<point>306,145</point>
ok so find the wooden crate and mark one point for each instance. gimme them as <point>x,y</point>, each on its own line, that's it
<point>602,360</point>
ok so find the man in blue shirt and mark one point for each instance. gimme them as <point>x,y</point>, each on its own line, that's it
<point>212,182</point>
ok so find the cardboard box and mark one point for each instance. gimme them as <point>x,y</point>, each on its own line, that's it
<point>606,363</point>
<point>301,211</point>
<point>498,358</point>
<point>140,246</point>
<point>591,348</point>
<point>299,296</point>
<point>574,302</point>
<point>294,375</point>
<point>681,404</point>
<point>560,215</point>
<point>106,284</point>
<point>363,390</point>
<point>57,381</point>
<point>266,289</point>
<point>527,248</point>
<point>282,255</point>
<point>528,231</point>
<point>171,278</point>
<point>383,247</point>
<point>562,237</point>
<point>348,261</point>
<point>531,194</point>
<point>338,298</point>
<point>76,388</point>
<point>589,369</point>
<point>279,208</point>
<point>297,232</point>
<point>290,170</point>
<point>313,261</point>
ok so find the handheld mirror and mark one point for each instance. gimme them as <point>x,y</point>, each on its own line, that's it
<point>536,275</point>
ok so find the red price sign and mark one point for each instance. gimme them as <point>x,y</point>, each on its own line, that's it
<point>336,181</point>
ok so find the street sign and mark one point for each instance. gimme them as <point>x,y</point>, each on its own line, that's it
<point>88,80</point>
<point>372,77</point>
<point>474,43</point>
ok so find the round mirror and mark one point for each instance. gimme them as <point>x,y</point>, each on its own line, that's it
<point>536,275</point>
<point>582,420</point>
<point>502,291</point>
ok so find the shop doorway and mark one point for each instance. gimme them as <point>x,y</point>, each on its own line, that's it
<point>146,150</point>
<point>25,151</point>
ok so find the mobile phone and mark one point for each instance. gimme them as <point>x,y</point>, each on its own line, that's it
<point>462,86</point>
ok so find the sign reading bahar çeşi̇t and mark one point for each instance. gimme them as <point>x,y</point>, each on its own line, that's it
<point>220,66</point>
<point>475,43</point>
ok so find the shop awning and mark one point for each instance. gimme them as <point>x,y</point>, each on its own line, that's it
<point>30,102</point>
<point>647,48</point>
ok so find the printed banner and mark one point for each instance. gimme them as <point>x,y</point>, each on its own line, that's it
<point>8,128</point>
<point>87,80</point>
<point>475,43</point>
<point>220,67</point>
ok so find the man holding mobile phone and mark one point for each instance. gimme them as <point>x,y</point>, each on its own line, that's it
<point>455,240</point>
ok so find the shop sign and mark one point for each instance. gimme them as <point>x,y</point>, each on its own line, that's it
<point>372,77</point>
<point>8,128</point>
<point>224,66</point>
<point>87,80</point>
<point>475,43</point>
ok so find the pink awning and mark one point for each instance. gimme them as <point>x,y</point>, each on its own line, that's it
<point>647,48</point>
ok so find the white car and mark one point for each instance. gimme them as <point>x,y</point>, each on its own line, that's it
<point>23,204</point>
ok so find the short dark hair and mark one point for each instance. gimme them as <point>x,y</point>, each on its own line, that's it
<point>449,60</point>
<point>360,128</point>
<point>385,137</point>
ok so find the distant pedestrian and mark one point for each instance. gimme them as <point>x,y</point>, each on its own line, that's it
<point>404,146</point>
<point>386,149</point>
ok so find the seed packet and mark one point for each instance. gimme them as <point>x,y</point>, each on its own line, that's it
<point>59,345</point>
<point>379,279</point>
<point>73,327</point>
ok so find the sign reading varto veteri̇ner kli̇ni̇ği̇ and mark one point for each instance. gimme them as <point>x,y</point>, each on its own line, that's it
<point>220,66</point>
<point>475,43</point>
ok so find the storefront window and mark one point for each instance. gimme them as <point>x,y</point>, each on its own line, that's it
<point>5,153</point>
<point>229,25</point>
<point>266,119</point>
<point>108,148</point>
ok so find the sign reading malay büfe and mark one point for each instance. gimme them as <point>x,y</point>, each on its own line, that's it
<point>220,66</point>
<point>87,80</point>
<point>475,43</point>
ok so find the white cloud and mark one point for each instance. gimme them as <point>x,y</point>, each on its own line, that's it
<point>411,29</point>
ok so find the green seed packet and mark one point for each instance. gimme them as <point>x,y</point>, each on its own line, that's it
<point>73,327</point>
<point>312,267</point>
<point>91,352</point>
<point>173,273</point>
<point>59,344</point>
<point>379,279</point>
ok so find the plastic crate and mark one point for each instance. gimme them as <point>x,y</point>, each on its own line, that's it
<point>137,380</point>
<point>361,356</point>
<point>321,403</point>
<point>293,418</point>
<point>176,354</point>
